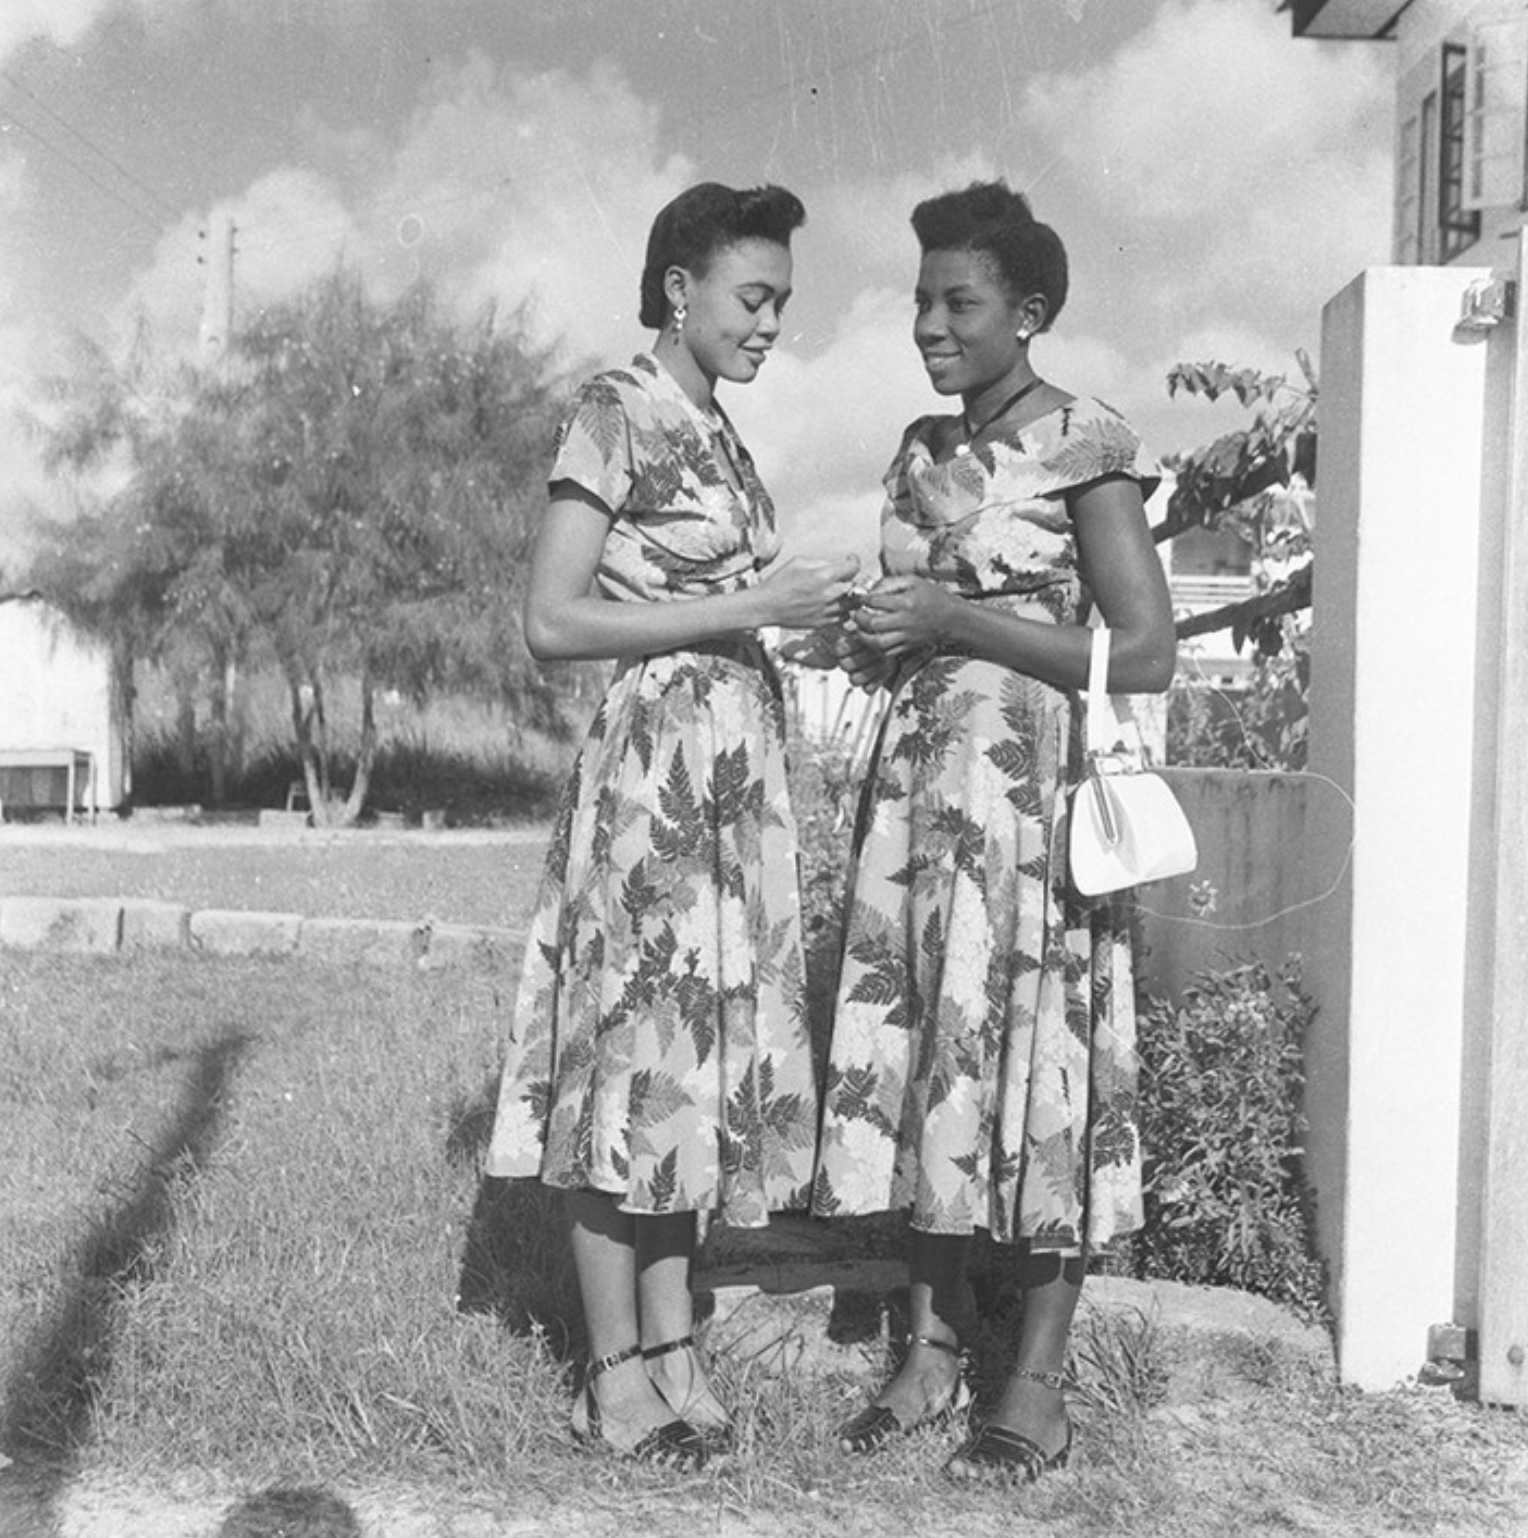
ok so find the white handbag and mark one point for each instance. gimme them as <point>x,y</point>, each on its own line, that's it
<point>1126,824</point>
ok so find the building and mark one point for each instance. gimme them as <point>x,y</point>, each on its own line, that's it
<point>1461,135</point>
<point>63,726</point>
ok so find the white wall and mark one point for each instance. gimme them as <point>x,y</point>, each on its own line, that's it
<point>56,691</point>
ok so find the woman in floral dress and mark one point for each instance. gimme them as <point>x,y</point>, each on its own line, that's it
<point>982,1067</point>
<point>658,1064</point>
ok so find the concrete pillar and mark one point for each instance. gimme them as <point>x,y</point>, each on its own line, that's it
<point>1392,724</point>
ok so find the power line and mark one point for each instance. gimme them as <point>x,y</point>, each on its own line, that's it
<point>89,176</point>
<point>92,146</point>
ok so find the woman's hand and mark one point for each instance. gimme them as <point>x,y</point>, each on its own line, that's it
<point>816,649</point>
<point>904,614</point>
<point>804,592</point>
<point>867,668</point>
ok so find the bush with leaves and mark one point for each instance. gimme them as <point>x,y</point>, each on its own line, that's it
<point>1263,724</point>
<point>1221,1081</point>
<point>1257,482</point>
<point>826,778</point>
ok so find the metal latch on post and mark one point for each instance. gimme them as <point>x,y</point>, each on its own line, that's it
<point>1486,303</point>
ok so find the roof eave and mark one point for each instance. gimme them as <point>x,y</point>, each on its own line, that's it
<point>1365,21</point>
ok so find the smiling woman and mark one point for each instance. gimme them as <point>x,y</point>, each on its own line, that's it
<point>659,1064</point>
<point>982,1070</point>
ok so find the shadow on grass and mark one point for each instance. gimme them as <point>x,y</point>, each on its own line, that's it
<point>50,1396</point>
<point>515,1262</point>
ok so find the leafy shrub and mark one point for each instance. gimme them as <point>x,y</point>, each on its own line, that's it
<point>825,785</point>
<point>1221,1079</point>
<point>1259,725</point>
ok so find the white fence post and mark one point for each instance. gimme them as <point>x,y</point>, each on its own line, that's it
<point>1392,723</point>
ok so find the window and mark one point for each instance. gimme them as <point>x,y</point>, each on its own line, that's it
<point>1496,124</point>
<point>1427,203</point>
<point>1458,227</point>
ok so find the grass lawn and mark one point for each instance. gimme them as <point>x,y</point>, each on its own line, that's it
<point>239,1201</point>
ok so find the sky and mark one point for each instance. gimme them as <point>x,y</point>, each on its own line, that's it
<point>1215,180</point>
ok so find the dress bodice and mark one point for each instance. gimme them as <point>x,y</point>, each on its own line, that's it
<point>681,524</point>
<point>993,523</point>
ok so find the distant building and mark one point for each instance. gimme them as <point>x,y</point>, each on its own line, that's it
<point>1206,570</point>
<point>1461,137</point>
<point>63,722</point>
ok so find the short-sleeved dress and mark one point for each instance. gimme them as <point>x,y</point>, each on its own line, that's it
<point>982,1070</point>
<point>659,1048</point>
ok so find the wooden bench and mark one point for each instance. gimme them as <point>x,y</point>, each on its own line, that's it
<point>40,764</point>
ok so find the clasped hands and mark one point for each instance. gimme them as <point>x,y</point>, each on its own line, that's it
<point>877,627</point>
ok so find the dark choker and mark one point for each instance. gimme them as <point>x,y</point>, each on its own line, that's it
<point>973,433</point>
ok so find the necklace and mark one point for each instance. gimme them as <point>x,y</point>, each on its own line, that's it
<point>973,433</point>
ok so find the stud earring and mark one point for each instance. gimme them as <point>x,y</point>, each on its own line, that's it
<point>1021,336</point>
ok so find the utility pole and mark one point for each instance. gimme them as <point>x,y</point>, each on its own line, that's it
<point>217,294</point>
<point>217,327</point>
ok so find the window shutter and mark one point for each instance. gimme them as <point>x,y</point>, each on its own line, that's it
<point>1407,241</point>
<point>1496,101</point>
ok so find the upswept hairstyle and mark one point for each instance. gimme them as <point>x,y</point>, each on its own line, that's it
<point>705,219</point>
<point>990,218</point>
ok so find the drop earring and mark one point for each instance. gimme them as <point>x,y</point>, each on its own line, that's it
<point>680,311</point>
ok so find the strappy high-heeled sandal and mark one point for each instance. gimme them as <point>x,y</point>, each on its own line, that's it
<point>718,1436</point>
<point>997,1452</point>
<point>877,1424</point>
<point>676,1444</point>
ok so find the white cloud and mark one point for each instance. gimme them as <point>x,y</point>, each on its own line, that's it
<point>1216,181</point>
<point>1214,109</point>
<point>864,227</point>
<point>505,189</point>
<point>1263,160</point>
<point>823,428</point>
<point>60,21</point>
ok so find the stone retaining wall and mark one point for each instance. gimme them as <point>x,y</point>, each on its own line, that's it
<point>104,925</point>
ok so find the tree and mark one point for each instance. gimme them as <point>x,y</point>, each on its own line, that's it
<point>114,564</point>
<point>350,496</point>
<point>1258,481</point>
<point>387,462</point>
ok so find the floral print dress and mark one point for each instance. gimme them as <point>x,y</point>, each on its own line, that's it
<point>659,1048</point>
<point>982,1071</point>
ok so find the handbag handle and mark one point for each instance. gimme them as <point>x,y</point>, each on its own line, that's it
<point>1100,716</point>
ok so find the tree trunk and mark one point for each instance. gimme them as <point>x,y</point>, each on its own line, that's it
<point>366,759</point>
<point>185,723</point>
<point>235,711</point>
<point>307,727</point>
<point>217,743</point>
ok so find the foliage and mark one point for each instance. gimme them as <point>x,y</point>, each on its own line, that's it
<point>1257,482</point>
<point>1262,725</point>
<point>1221,1082</point>
<point>1249,478</point>
<point>825,786</point>
<point>350,495</point>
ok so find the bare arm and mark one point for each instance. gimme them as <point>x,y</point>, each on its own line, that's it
<point>567,620</point>
<point>1119,564</point>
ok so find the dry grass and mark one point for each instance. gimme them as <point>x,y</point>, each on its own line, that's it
<point>240,1201</point>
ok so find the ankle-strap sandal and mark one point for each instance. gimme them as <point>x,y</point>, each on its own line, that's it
<point>877,1424</point>
<point>717,1437</point>
<point>675,1444</point>
<point>999,1452</point>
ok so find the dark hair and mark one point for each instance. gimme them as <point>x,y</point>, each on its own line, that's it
<point>705,219</point>
<point>992,219</point>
